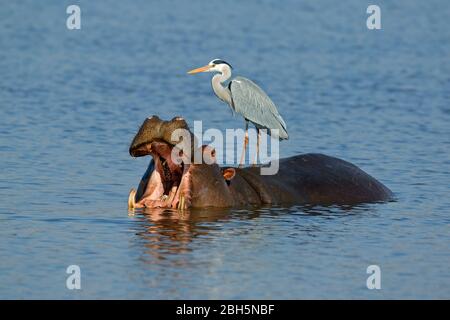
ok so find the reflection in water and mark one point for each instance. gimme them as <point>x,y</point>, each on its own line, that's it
<point>167,231</point>
<point>338,209</point>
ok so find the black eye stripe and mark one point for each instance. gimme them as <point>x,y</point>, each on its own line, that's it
<point>218,61</point>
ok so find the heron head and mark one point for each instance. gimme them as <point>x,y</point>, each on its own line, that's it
<point>216,65</point>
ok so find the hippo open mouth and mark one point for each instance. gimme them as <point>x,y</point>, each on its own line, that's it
<point>165,183</point>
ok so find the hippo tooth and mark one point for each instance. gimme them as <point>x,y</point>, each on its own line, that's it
<point>131,199</point>
<point>181,203</point>
<point>172,194</point>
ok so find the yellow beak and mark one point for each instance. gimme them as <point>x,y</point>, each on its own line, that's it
<point>202,69</point>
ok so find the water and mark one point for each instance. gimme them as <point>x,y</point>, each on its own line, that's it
<point>71,101</point>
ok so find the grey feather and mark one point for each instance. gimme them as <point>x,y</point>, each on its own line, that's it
<point>249,100</point>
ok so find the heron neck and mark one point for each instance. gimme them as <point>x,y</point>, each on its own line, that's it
<point>222,92</point>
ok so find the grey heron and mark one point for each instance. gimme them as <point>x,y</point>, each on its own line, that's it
<point>247,99</point>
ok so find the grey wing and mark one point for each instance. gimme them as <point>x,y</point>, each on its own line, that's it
<point>253,103</point>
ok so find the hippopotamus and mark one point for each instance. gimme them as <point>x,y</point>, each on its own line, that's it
<point>312,179</point>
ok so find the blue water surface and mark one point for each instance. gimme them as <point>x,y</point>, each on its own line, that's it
<point>72,100</point>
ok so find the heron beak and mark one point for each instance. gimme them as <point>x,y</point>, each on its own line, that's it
<point>202,69</point>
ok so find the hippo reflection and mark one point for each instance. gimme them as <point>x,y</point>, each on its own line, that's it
<point>304,179</point>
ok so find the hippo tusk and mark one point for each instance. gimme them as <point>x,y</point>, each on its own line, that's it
<point>172,195</point>
<point>181,202</point>
<point>132,199</point>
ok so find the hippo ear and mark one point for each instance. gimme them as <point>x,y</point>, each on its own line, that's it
<point>228,174</point>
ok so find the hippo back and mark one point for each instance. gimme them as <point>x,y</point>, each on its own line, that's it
<point>318,179</point>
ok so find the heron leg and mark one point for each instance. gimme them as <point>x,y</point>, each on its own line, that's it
<point>257,146</point>
<point>241,163</point>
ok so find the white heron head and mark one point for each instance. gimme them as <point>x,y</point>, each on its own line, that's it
<point>215,65</point>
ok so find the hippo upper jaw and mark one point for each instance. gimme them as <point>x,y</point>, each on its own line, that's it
<point>155,129</point>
